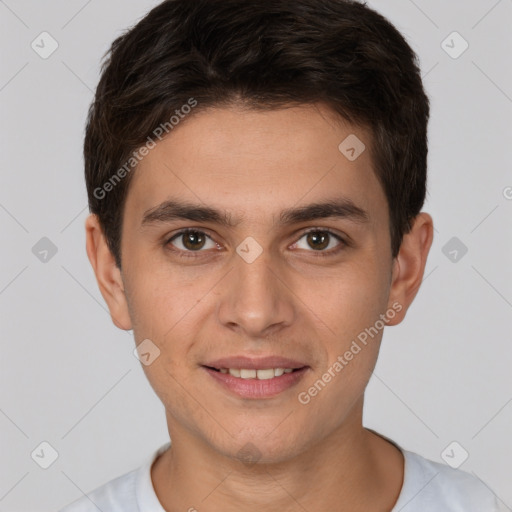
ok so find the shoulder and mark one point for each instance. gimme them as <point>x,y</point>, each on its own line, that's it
<point>431,486</point>
<point>117,495</point>
<point>130,492</point>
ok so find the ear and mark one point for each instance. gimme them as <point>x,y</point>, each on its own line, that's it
<point>108,275</point>
<point>409,265</point>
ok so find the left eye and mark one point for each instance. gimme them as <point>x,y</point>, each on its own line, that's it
<point>319,240</point>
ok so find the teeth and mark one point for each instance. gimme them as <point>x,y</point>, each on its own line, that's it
<point>265,374</point>
<point>268,373</point>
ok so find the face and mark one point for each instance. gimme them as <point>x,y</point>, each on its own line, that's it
<point>261,273</point>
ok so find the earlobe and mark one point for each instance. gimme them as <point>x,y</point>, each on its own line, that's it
<point>409,266</point>
<point>108,275</point>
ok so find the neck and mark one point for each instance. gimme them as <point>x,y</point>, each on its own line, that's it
<point>352,470</point>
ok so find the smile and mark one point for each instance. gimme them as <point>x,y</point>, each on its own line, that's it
<point>256,384</point>
<point>247,373</point>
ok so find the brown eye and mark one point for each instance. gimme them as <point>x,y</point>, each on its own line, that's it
<point>321,241</point>
<point>318,240</point>
<point>191,241</point>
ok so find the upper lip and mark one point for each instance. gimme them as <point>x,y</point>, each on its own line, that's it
<point>253,363</point>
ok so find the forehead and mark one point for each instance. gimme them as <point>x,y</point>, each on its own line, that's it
<point>259,162</point>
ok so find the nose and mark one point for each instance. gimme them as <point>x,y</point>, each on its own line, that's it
<point>255,299</point>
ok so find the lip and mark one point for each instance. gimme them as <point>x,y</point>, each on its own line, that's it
<point>255,363</point>
<point>255,388</point>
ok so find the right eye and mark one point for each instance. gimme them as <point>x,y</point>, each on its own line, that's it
<point>190,240</point>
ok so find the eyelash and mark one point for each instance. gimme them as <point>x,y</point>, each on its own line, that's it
<point>195,254</point>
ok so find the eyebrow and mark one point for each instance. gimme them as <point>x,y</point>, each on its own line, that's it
<point>340,208</point>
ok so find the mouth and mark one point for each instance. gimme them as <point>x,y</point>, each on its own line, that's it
<point>253,373</point>
<point>252,383</point>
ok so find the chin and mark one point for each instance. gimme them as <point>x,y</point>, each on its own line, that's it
<point>264,449</point>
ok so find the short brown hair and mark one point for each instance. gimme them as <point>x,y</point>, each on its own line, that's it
<point>265,54</point>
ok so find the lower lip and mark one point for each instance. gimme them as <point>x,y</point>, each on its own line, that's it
<point>256,388</point>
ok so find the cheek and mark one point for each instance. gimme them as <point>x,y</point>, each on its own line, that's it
<point>160,301</point>
<point>351,306</point>
<point>353,299</point>
<point>174,391</point>
<point>166,309</point>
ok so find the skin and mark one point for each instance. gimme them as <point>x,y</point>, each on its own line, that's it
<point>289,301</point>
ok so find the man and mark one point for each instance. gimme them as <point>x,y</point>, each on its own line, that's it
<point>256,172</point>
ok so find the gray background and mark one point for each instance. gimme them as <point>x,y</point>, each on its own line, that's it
<point>68,375</point>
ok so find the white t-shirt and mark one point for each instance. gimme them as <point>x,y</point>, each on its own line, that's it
<point>428,487</point>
